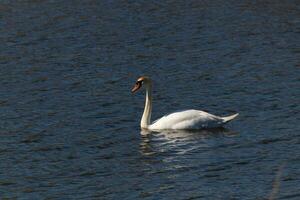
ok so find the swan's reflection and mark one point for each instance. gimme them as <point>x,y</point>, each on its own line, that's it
<point>179,141</point>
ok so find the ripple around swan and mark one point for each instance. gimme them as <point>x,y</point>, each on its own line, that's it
<point>183,141</point>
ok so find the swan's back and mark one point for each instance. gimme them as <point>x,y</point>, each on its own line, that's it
<point>188,119</point>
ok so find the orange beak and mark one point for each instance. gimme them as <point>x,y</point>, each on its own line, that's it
<point>136,87</point>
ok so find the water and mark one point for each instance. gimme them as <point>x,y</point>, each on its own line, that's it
<point>70,125</point>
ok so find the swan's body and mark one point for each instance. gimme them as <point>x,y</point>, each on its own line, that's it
<point>188,119</point>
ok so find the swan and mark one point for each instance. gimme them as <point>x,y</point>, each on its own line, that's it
<point>183,120</point>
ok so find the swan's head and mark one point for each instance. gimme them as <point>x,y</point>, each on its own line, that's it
<point>140,81</point>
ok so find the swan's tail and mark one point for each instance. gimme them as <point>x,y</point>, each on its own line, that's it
<point>229,118</point>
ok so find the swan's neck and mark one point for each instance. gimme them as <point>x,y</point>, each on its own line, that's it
<point>145,122</point>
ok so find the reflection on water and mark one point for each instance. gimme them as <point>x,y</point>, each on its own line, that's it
<point>181,140</point>
<point>189,134</point>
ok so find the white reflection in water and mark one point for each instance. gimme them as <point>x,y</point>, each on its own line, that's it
<point>180,141</point>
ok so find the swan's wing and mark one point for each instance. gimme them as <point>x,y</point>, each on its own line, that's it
<point>188,119</point>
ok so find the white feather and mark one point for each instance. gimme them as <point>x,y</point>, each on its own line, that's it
<point>188,119</point>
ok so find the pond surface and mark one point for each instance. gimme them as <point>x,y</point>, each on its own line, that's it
<point>70,125</point>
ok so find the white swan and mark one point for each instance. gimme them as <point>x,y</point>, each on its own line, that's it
<point>188,119</point>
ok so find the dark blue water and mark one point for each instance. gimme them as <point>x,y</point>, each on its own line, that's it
<point>70,125</point>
